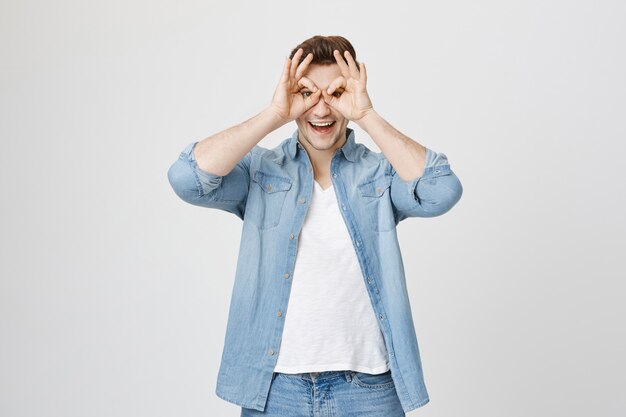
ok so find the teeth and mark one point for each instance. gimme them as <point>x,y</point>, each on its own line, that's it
<point>322,124</point>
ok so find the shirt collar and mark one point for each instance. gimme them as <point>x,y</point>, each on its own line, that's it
<point>348,148</point>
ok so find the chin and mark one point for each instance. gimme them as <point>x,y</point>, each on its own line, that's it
<point>323,144</point>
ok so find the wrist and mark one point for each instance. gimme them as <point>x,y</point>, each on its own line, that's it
<point>274,118</point>
<point>369,118</point>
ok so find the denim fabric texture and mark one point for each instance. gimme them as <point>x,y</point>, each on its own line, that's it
<point>270,190</point>
<point>331,394</point>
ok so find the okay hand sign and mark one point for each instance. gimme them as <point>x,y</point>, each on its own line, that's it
<point>347,94</point>
<point>288,102</point>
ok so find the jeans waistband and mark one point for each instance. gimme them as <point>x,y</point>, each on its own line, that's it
<point>321,376</point>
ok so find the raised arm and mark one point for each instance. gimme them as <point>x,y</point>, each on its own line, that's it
<point>214,172</point>
<point>423,184</point>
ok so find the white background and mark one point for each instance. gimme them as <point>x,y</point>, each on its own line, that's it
<point>114,293</point>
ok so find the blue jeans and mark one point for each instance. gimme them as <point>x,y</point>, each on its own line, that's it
<point>330,394</point>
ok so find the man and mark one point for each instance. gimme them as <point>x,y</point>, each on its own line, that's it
<point>319,321</point>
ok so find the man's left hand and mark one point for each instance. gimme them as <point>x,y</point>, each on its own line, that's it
<point>348,93</point>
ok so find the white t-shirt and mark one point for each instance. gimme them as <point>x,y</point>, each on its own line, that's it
<point>330,324</point>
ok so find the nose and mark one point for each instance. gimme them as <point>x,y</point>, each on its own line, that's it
<point>321,109</point>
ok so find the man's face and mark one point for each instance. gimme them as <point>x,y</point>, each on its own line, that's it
<point>322,138</point>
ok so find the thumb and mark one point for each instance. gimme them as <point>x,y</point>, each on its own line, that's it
<point>330,99</point>
<point>312,100</point>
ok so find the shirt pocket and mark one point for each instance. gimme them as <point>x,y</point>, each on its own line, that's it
<point>266,199</point>
<point>377,208</point>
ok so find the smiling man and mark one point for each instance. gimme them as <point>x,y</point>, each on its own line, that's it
<point>320,321</point>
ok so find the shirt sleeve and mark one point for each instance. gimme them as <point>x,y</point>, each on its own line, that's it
<point>201,188</point>
<point>432,194</point>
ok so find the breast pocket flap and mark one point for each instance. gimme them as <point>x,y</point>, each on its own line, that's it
<point>375,187</point>
<point>271,183</point>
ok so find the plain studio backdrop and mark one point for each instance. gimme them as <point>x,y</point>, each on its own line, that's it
<point>114,293</point>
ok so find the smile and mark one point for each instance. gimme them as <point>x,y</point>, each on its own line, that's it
<point>322,127</point>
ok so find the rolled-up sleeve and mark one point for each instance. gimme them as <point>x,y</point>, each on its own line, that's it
<point>201,188</point>
<point>432,194</point>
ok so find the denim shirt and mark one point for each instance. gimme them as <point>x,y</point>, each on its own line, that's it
<point>270,190</point>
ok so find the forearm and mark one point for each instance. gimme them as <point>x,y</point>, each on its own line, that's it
<point>218,154</point>
<point>404,154</point>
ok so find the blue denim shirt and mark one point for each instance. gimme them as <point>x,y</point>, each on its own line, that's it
<point>270,190</point>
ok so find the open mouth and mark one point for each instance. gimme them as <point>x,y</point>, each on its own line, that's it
<point>322,127</point>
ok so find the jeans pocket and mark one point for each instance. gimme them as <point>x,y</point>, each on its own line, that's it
<point>379,381</point>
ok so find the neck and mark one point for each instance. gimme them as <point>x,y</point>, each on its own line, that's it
<point>320,159</point>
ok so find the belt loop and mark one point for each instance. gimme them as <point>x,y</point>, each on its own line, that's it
<point>348,376</point>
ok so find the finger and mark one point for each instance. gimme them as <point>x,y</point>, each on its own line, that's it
<point>312,100</point>
<point>303,65</point>
<point>329,99</point>
<point>345,70</point>
<point>285,74</point>
<point>294,62</point>
<point>363,78</point>
<point>337,82</point>
<point>354,71</point>
<point>305,82</point>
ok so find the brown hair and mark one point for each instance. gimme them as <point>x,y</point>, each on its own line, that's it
<point>322,48</point>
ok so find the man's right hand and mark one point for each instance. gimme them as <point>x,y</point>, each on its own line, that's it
<point>219,153</point>
<point>288,102</point>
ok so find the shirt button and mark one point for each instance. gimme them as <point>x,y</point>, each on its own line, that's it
<point>286,275</point>
<point>280,313</point>
<point>335,175</point>
<point>302,201</point>
<point>381,316</point>
<point>270,352</point>
<point>291,236</point>
<point>343,206</point>
<point>358,243</point>
<point>269,187</point>
<point>310,169</point>
<point>378,190</point>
